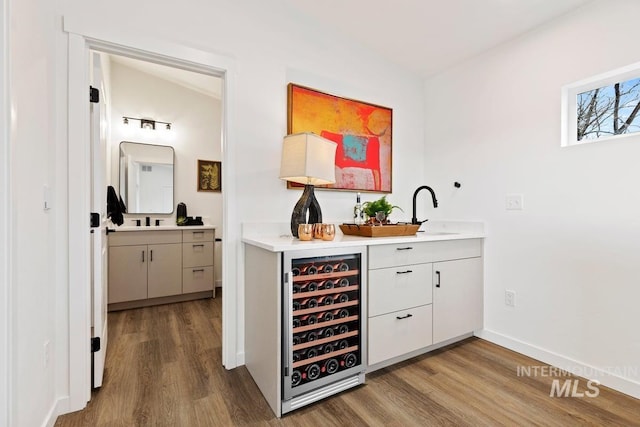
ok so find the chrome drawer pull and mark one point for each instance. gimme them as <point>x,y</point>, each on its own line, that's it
<point>404,249</point>
<point>404,317</point>
<point>404,272</point>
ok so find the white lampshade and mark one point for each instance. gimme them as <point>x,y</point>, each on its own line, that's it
<point>308,159</point>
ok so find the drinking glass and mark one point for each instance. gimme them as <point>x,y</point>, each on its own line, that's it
<point>305,231</point>
<point>328,231</point>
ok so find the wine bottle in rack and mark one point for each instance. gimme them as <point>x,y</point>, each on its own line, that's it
<point>310,287</point>
<point>296,322</point>
<point>311,336</point>
<point>344,282</point>
<point>296,378</point>
<point>312,371</point>
<point>341,313</point>
<point>340,298</point>
<point>341,329</point>
<point>327,284</point>
<point>326,332</point>
<point>297,339</point>
<point>296,356</point>
<point>325,349</point>
<point>296,288</point>
<point>349,360</point>
<point>296,305</point>
<point>295,271</point>
<point>309,319</point>
<point>309,270</point>
<point>311,353</point>
<point>326,300</point>
<point>342,344</point>
<point>309,303</point>
<point>330,366</point>
<point>327,268</point>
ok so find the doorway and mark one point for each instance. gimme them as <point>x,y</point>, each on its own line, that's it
<point>83,38</point>
<point>153,108</point>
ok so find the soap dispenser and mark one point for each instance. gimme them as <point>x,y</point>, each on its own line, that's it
<point>357,211</point>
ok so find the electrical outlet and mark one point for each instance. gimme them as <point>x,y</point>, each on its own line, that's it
<point>46,356</point>
<point>509,298</point>
<point>514,202</point>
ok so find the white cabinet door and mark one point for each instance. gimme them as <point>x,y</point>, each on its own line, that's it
<point>457,298</point>
<point>127,273</point>
<point>165,270</point>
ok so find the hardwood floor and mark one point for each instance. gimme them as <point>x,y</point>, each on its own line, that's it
<point>164,369</point>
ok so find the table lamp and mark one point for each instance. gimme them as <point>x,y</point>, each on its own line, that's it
<point>307,159</point>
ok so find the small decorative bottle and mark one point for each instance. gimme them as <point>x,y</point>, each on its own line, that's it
<point>357,211</point>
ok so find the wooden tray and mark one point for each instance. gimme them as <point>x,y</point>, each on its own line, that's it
<point>386,230</point>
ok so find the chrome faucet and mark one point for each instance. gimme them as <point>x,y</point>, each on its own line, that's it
<point>414,220</point>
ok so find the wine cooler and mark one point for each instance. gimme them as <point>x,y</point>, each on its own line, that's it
<point>323,324</point>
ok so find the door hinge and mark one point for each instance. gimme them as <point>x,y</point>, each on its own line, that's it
<point>94,95</point>
<point>95,344</point>
<point>95,219</point>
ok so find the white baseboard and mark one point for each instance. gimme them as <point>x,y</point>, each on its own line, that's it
<point>61,406</point>
<point>240,358</point>
<point>219,283</point>
<point>604,377</point>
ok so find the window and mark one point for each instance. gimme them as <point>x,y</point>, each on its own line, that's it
<point>602,108</point>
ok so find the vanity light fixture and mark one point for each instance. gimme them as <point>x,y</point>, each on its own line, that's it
<point>307,159</point>
<point>146,123</point>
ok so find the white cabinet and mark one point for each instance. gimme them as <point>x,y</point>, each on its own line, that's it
<point>420,294</point>
<point>149,267</point>
<point>457,298</point>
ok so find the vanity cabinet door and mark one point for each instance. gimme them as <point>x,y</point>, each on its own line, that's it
<point>127,273</point>
<point>457,298</point>
<point>165,270</point>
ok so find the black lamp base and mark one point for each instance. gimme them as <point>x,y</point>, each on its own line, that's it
<point>306,203</point>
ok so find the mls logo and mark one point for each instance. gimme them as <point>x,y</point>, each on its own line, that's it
<point>570,389</point>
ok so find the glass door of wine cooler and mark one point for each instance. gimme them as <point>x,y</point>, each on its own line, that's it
<point>322,321</point>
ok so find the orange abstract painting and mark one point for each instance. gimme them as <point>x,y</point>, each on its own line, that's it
<point>361,130</point>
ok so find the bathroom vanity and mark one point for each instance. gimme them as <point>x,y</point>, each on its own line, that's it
<point>159,265</point>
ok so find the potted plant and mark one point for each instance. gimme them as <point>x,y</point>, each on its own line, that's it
<point>379,210</point>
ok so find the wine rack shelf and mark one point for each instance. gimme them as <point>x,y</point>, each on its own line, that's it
<point>325,276</point>
<point>326,356</point>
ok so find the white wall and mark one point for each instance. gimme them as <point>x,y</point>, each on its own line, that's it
<point>493,123</point>
<point>34,235</point>
<point>195,134</point>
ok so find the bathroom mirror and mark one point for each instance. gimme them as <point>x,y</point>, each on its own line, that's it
<point>146,178</point>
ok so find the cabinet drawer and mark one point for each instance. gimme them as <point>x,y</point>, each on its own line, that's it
<point>197,279</point>
<point>393,289</point>
<point>197,254</point>
<point>383,256</point>
<point>198,235</point>
<point>397,333</point>
<point>127,238</point>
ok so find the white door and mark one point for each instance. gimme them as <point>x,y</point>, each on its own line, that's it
<point>99,267</point>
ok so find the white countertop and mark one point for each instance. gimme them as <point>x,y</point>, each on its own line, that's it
<point>164,227</point>
<point>267,236</point>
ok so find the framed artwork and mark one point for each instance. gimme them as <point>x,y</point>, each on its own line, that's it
<point>362,131</point>
<point>209,175</point>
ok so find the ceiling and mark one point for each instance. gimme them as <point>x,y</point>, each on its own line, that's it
<point>205,84</point>
<point>428,36</point>
<point>422,36</point>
